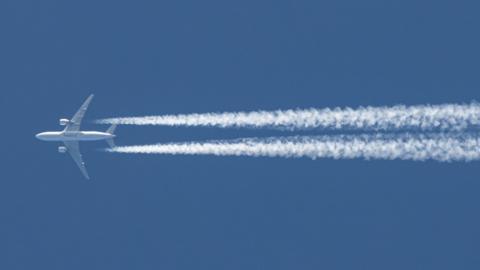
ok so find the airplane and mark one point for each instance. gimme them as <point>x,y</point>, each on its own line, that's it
<point>71,136</point>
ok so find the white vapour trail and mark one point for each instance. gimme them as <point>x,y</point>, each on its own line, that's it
<point>424,117</point>
<point>440,147</point>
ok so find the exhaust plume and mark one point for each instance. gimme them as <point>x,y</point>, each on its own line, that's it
<point>418,147</point>
<point>423,117</point>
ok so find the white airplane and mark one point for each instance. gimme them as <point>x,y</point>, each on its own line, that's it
<point>71,135</point>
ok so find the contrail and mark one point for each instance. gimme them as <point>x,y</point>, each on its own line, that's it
<point>422,117</point>
<point>439,147</point>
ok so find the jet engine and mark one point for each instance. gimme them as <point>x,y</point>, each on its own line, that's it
<point>64,122</point>
<point>62,149</point>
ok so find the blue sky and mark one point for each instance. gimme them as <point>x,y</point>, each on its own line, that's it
<point>205,212</point>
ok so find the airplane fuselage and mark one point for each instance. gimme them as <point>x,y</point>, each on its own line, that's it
<point>62,136</point>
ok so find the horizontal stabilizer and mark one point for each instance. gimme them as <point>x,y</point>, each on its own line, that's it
<point>111,129</point>
<point>111,143</point>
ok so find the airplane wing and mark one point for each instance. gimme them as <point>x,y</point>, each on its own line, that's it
<point>74,150</point>
<point>76,120</point>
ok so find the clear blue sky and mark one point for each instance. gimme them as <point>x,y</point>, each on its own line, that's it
<point>205,212</point>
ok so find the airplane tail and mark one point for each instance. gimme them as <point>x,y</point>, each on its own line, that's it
<point>111,130</point>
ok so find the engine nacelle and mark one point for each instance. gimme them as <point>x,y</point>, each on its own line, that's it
<point>64,122</point>
<point>62,149</point>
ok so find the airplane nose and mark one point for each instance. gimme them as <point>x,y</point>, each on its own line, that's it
<point>38,136</point>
